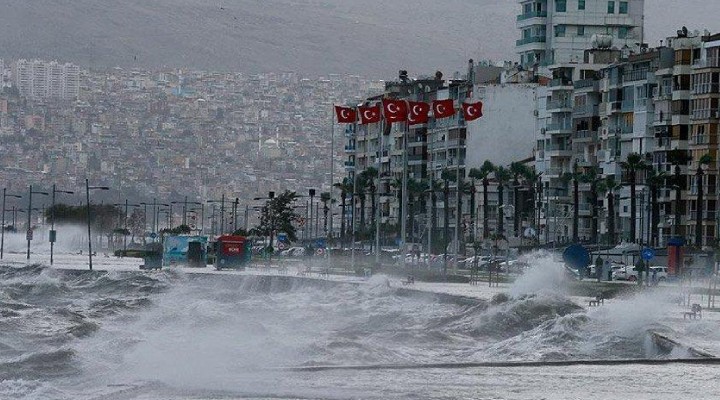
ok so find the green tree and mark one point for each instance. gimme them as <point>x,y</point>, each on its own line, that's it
<point>278,215</point>
<point>591,176</point>
<point>575,177</point>
<point>655,180</point>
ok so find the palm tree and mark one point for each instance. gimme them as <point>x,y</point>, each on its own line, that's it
<point>518,171</point>
<point>575,177</point>
<point>677,158</point>
<point>345,187</point>
<point>532,179</point>
<point>609,186</point>
<point>366,182</point>
<point>483,173</point>
<point>325,198</point>
<point>446,175</point>
<point>704,160</point>
<point>592,177</point>
<point>655,180</point>
<point>502,177</point>
<point>415,192</point>
<point>632,166</point>
<point>434,186</point>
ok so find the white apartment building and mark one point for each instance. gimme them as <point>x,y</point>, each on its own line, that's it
<point>38,79</point>
<point>559,31</point>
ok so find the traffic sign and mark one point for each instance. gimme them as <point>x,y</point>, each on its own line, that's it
<point>153,235</point>
<point>29,234</point>
<point>648,254</point>
<point>320,252</point>
<point>281,246</point>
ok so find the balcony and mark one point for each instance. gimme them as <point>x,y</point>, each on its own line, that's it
<point>707,63</point>
<point>350,165</point>
<point>530,40</point>
<point>707,215</point>
<point>559,128</point>
<point>556,150</point>
<point>559,106</point>
<point>561,84</point>
<point>586,84</point>
<point>554,172</point>
<point>585,135</point>
<point>533,14</point>
<point>587,110</point>
<point>635,75</point>
<point>350,149</point>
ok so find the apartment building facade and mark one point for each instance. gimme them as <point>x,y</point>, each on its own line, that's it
<point>39,79</point>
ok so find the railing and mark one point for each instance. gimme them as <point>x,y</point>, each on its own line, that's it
<point>635,75</point>
<point>707,63</point>
<point>628,106</point>
<point>705,88</point>
<point>707,215</point>
<point>349,164</point>
<point>559,104</point>
<point>560,82</point>
<point>705,114</point>
<point>586,134</point>
<point>554,171</point>
<point>559,127</point>
<point>416,158</point>
<point>533,14</point>
<point>586,109</point>
<point>584,83</point>
<point>350,149</point>
<point>530,39</point>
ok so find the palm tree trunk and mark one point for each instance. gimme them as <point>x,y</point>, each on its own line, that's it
<point>362,212</point>
<point>342,219</point>
<point>611,218</point>
<point>516,207</point>
<point>433,217</point>
<point>576,210</point>
<point>633,205</point>
<point>593,209</point>
<point>446,218</point>
<point>655,217</point>
<point>472,208</point>
<point>486,218</point>
<point>501,212</point>
<point>411,219</point>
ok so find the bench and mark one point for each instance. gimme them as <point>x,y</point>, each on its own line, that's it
<point>600,299</point>
<point>409,281</point>
<point>694,313</point>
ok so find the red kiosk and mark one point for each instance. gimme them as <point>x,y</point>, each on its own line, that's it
<point>232,252</point>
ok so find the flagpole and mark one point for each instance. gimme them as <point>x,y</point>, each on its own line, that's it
<point>329,234</point>
<point>377,190</point>
<point>405,205</point>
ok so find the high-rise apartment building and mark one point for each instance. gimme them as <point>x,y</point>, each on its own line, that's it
<point>559,31</point>
<point>38,79</point>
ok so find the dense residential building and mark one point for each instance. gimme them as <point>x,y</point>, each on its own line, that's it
<point>38,79</point>
<point>559,31</point>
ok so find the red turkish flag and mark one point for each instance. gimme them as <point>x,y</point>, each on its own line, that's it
<point>443,108</point>
<point>419,113</point>
<point>472,111</point>
<point>395,110</point>
<point>369,115</point>
<point>345,115</point>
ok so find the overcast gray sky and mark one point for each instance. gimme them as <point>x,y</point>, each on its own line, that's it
<point>370,37</point>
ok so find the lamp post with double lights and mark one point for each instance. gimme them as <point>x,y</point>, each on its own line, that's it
<point>88,188</point>
<point>154,205</point>
<point>29,234</point>
<point>125,222</point>
<point>222,212</point>
<point>2,240</point>
<point>185,203</point>
<point>53,234</point>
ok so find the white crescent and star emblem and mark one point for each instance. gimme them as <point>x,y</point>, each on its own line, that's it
<point>472,111</point>
<point>393,108</point>
<point>417,110</point>
<point>440,109</point>
<point>344,114</point>
<point>368,114</point>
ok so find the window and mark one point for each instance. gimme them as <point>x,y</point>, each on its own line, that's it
<point>623,32</point>
<point>581,4</point>
<point>560,5</point>
<point>559,30</point>
<point>527,8</point>
<point>611,7</point>
<point>581,31</point>
<point>623,7</point>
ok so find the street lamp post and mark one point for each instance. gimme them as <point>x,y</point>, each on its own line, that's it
<point>29,217</point>
<point>222,212</point>
<point>87,198</point>
<point>2,240</point>
<point>125,223</point>
<point>53,234</point>
<point>311,192</point>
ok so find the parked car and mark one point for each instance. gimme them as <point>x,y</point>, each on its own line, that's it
<point>630,274</point>
<point>293,252</point>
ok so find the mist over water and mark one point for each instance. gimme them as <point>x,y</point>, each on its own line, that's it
<point>79,335</point>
